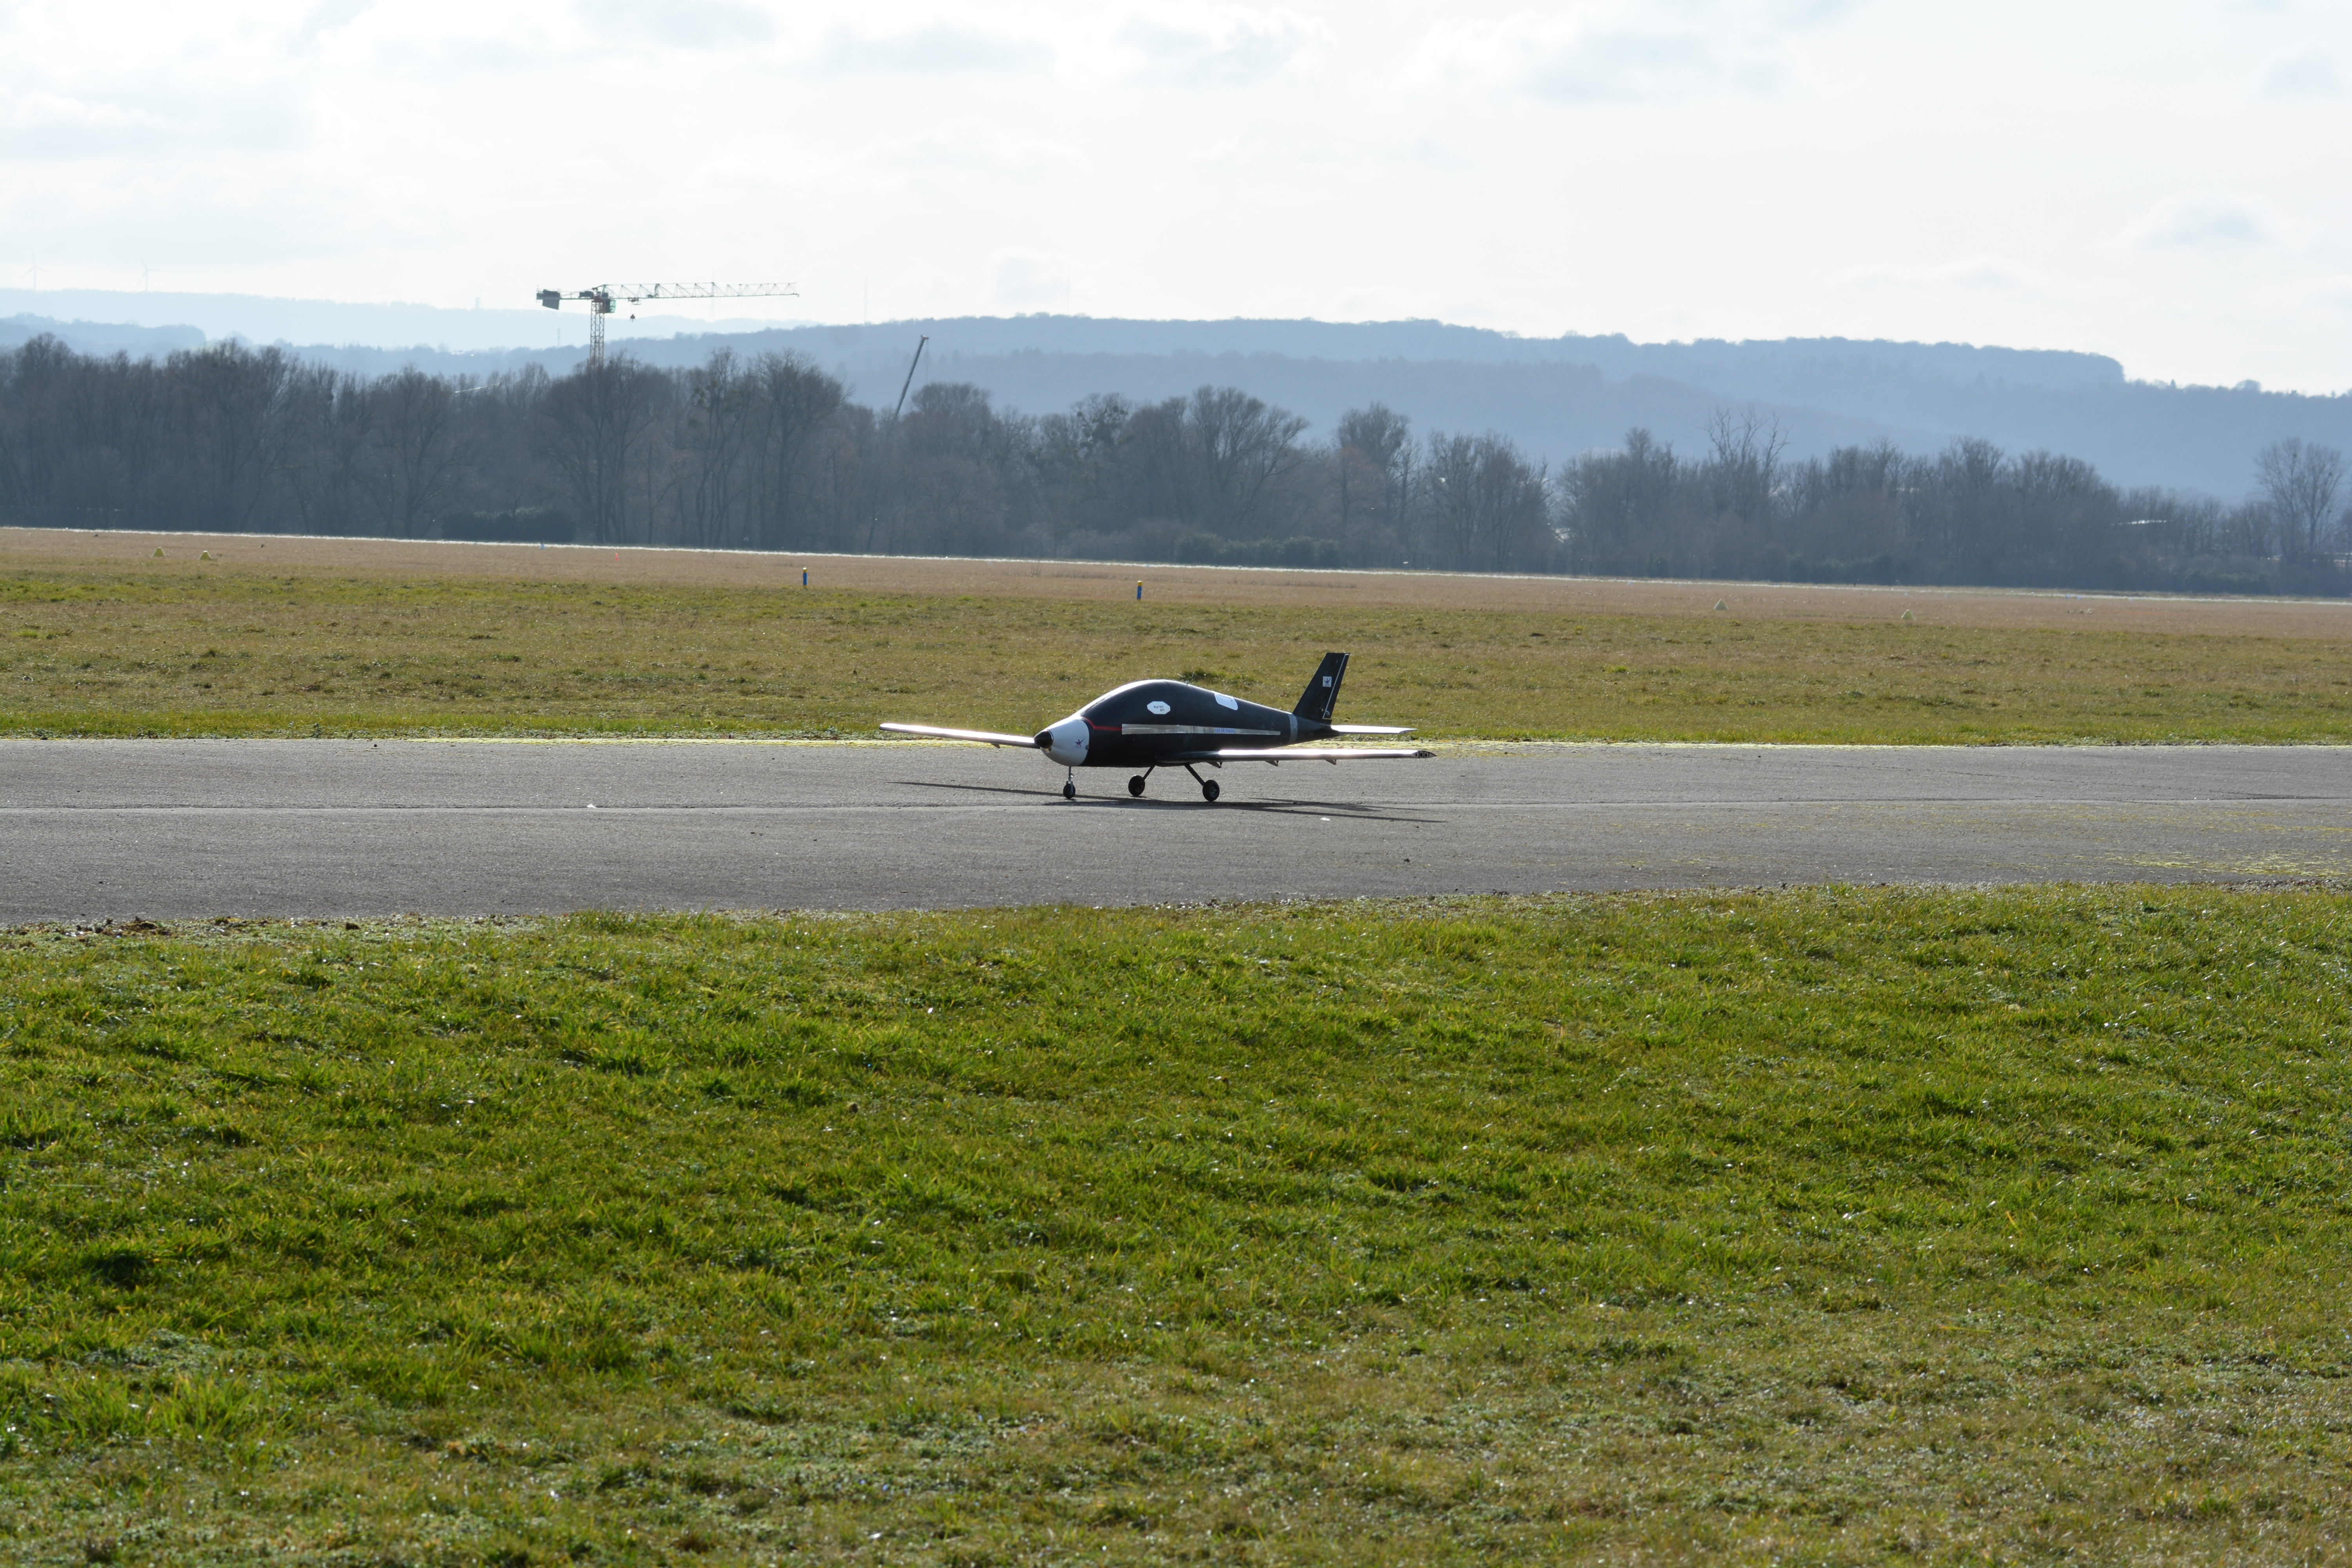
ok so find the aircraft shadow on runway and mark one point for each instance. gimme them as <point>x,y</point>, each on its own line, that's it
<point>1354,811</point>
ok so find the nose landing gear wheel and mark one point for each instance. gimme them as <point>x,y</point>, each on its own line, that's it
<point>1208,791</point>
<point>1135,786</point>
<point>1069,789</point>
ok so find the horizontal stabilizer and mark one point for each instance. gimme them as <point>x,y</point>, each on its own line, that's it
<point>1370,728</point>
<point>985,737</point>
<point>1305,755</point>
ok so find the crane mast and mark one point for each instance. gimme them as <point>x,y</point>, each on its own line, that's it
<point>604,299</point>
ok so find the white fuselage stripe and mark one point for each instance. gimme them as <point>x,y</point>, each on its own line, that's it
<point>1188,730</point>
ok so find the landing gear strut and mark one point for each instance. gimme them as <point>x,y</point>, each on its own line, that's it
<point>1070,786</point>
<point>1208,791</point>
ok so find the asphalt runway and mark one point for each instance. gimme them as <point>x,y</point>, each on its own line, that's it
<point>168,829</point>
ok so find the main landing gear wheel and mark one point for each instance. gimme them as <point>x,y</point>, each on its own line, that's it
<point>1208,791</point>
<point>1069,789</point>
<point>1135,786</point>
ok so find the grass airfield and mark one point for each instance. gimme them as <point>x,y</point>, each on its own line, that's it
<point>291,637</point>
<point>1823,1225</point>
<point>1811,1226</point>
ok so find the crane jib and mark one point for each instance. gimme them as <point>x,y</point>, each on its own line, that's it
<point>600,297</point>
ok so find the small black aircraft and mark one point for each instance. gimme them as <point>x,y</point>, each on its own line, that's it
<point>1152,724</point>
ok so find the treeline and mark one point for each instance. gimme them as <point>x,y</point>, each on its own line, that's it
<point>769,453</point>
<point>1969,514</point>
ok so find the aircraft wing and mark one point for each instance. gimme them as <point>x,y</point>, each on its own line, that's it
<point>1305,755</point>
<point>985,737</point>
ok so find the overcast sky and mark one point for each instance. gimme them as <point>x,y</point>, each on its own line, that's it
<point>2164,181</point>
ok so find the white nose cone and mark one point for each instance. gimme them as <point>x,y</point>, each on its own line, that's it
<point>1065,742</point>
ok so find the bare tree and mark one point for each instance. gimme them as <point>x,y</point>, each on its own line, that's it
<point>1374,443</point>
<point>709,439</point>
<point>796,401</point>
<point>961,463</point>
<point>236,408</point>
<point>1358,491</point>
<point>329,465</point>
<point>1744,461</point>
<point>2300,484</point>
<point>1078,458</point>
<point>1847,508</point>
<point>33,443</point>
<point>1620,506</point>
<point>1490,501</point>
<point>1965,514</point>
<point>592,424</point>
<point>417,452</point>
<point>1244,447</point>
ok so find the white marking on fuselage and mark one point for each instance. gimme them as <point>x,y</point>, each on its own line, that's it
<point>1189,730</point>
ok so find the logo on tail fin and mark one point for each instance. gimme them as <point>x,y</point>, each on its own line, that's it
<point>1322,693</point>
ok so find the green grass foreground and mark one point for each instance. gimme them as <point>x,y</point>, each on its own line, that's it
<point>1818,1226</point>
<point>109,652</point>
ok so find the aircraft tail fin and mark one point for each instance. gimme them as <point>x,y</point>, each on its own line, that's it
<point>1323,691</point>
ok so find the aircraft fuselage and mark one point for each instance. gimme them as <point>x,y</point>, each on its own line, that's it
<point>1147,723</point>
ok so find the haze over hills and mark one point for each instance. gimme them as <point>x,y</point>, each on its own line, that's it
<point>1554,396</point>
<point>259,319</point>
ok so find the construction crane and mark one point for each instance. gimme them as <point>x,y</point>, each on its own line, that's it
<point>604,299</point>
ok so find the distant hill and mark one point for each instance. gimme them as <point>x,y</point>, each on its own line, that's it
<point>1555,396</point>
<point>99,337</point>
<point>1559,396</point>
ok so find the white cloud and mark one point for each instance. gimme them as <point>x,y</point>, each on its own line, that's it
<point>1026,280</point>
<point>326,19</point>
<point>1591,67</point>
<point>2325,293</point>
<point>1255,149</point>
<point>680,24</point>
<point>937,47</point>
<point>967,148</point>
<point>2201,220</point>
<point>43,126</point>
<point>46,127</point>
<point>1984,274</point>
<point>1219,46</point>
<point>1624,52</point>
<point>186,222</point>
<point>2308,75</point>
